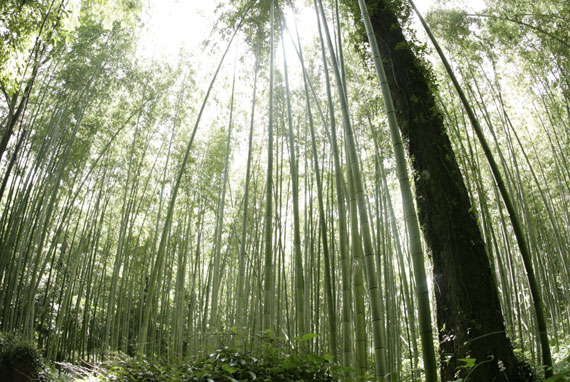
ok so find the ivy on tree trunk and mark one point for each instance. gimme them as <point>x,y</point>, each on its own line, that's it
<point>472,334</point>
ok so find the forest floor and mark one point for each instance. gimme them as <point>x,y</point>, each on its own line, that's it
<point>21,362</point>
<point>221,365</point>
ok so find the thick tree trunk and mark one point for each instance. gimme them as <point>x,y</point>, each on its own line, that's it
<point>469,315</point>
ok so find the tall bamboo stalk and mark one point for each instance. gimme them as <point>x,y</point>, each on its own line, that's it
<point>268,230</point>
<point>373,286</point>
<point>241,303</point>
<point>299,281</point>
<point>220,215</point>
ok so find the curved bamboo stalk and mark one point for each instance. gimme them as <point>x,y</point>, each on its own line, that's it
<point>166,229</point>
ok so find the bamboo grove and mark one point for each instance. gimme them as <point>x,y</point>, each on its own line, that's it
<point>401,207</point>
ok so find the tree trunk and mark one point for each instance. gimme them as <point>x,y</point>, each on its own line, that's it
<point>469,315</point>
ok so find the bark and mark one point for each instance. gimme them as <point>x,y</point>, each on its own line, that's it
<point>469,317</point>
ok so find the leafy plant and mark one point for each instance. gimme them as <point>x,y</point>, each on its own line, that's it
<point>274,363</point>
<point>19,360</point>
<point>561,371</point>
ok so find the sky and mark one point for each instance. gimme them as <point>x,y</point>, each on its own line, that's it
<point>172,24</point>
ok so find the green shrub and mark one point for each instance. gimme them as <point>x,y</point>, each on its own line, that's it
<point>19,361</point>
<point>271,364</point>
<point>561,371</point>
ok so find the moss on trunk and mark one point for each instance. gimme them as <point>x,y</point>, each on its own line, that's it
<point>469,316</point>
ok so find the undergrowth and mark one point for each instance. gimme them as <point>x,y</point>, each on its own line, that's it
<point>226,364</point>
<point>274,360</point>
<point>20,361</point>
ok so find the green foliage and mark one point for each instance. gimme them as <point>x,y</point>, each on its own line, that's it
<point>308,336</point>
<point>24,26</point>
<point>450,22</point>
<point>561,372</point>
<point>85,202</point>
<point>468,363</point>
<point>273,364</point>
<point>562,364</point>
<point>19,360</point>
